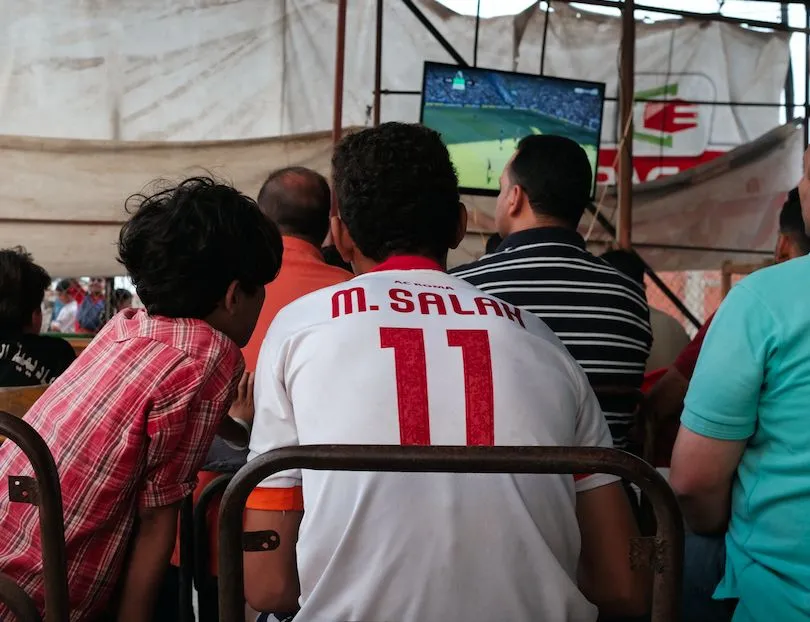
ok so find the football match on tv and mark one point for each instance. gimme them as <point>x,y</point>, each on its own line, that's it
<point>482,115</point>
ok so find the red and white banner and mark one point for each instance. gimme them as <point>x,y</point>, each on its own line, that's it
<point>730,203</point>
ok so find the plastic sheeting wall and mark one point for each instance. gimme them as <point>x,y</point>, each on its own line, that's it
<point>66,203</point>
<point>231,69</point>
<point>212,70</point>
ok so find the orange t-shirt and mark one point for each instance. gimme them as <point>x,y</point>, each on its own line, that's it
<point>303,271</point>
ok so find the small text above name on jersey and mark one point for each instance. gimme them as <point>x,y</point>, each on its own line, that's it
<point>401,300</point>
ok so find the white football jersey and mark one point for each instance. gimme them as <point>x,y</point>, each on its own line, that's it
<point>420,357</point>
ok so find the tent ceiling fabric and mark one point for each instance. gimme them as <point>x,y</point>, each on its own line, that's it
<point>84,75</point>
<point>235,69</point>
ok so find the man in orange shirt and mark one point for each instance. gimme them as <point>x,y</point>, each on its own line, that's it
<point>297,199</point>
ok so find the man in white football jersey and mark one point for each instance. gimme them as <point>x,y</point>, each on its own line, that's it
<point>406,354</point>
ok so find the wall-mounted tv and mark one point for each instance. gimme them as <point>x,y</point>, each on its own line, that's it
<point>483,113</point>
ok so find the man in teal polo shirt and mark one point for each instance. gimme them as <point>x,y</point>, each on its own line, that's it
<point>741,464</point>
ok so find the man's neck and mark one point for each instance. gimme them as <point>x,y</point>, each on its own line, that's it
<point>364,264</point>
<point>286,234</point>
<point>540,222</point>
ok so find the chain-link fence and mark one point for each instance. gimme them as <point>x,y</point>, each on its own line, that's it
<point>701,291</point>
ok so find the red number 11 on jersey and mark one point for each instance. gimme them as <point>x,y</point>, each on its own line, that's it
<point>412,390</point>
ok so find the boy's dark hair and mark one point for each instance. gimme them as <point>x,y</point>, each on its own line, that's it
<point>297,199</point>
<point>555,174</point>
<point>397,191</point>
<point>64,285</point>
<point>626,262</point>
<point>22,288</point>
<point>183,246</point>
<point>791,222</point>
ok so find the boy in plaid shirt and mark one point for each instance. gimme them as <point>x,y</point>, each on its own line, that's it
<point>130,422</point>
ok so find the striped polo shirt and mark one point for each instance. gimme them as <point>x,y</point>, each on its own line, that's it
<point>599,314</point>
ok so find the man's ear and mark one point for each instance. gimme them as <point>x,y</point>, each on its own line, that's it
<point>514,201</point>
<point>341,239</point>
<point>461,230</point>
<point>783,248</point>
<point>231,298</point>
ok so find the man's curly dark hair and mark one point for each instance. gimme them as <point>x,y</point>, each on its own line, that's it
<point>183,246</point>
<point>397,191</point>
<point>22,288</point>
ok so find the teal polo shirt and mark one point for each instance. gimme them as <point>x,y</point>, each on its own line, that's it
<point>752,382</point>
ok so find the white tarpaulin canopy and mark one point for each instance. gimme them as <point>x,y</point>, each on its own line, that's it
<point>242,70</point>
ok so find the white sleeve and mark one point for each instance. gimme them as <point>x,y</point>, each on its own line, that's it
<point>274,420</point>
<point>591,431</point>
<point>66,318</point>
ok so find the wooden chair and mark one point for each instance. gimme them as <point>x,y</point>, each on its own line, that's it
<point>18,400</point>
<point>79,343</point>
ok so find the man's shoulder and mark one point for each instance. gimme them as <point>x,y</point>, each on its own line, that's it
<point>50,344</point>
<point>312,307</point>
<point>779,279</point>
<point>310,269</point>
<point>519,258</point>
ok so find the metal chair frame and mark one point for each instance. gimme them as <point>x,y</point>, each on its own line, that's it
<point>662,552</point>
<point>44,491</point>
<point>202,556</point>
<point>187,561</point>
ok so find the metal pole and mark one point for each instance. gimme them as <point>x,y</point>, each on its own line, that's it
<point>806,75</point>
<point>340,61</point>
<point>545,33</point>
<point>458,58</point>
<point>790,96</point>
<point>477,27</point>
<point>378,64</point>
<point>627,67</point>
<point>701,17</point>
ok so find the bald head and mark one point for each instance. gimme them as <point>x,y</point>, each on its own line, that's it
<point>297,199</point>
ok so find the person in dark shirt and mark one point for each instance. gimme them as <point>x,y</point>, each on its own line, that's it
<point>543,266</point>
<point>26,357</point>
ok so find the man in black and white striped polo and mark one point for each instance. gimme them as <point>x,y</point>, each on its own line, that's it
<point>542,265</point>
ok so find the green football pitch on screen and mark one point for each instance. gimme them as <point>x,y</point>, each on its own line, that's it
<point>478,157</point>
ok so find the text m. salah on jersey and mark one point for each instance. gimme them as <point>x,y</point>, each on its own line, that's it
<point>401,300</point>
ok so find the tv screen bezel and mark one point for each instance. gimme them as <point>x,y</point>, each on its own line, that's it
<point>601,86</point>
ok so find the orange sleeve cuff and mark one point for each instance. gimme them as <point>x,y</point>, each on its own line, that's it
<point>276,499</point>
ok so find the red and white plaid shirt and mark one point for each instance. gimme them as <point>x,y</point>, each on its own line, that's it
<point>129,424</point>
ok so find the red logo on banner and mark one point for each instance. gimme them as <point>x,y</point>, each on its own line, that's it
<point>670,116</point>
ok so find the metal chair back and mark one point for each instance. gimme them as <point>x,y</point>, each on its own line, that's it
<point>44,491</point>
<point>663,552</point>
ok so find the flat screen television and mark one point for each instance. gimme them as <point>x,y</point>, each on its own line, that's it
<point>483,113</point>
